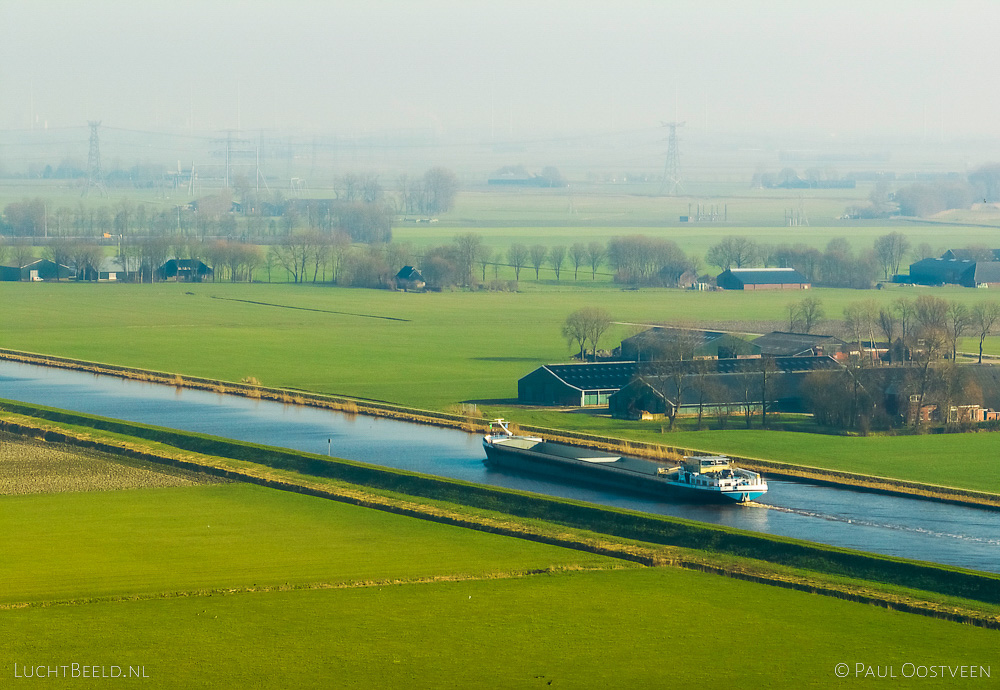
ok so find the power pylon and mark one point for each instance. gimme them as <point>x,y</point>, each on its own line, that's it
<point>672,169</point>
<point>95,176</point>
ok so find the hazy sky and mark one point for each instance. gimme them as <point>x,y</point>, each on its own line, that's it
<point>516,67</point>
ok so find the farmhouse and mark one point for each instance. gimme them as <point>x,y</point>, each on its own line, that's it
<point>762,279</point>
<point>35,270</point>
<point>727,383</point>
<point>785,344</point>
<point>184,270</point>
<point>676,343</point>
<point>410,278</point>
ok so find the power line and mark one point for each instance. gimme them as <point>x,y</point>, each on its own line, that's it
<point>95,177</point>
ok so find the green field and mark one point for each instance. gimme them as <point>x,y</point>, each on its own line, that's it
<point>647,628</point>
<point>148,541</point>
<point>238,586</point>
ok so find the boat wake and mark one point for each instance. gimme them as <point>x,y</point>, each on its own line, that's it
<point>877,524</point>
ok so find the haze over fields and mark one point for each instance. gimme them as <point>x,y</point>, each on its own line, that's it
<point>513,69</point>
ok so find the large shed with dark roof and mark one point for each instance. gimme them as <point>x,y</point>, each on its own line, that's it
<point>667,343</point>
<point>729,383</point>
<point>785,344</point>
<point>762,279</point>
<point>955,272</point>
<point>574,385</point>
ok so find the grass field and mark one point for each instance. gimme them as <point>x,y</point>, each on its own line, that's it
<point>647,628</point>
<point>429,350</point>
<point>238,586</point>
<point>29,466</point>
<point>149,541</point>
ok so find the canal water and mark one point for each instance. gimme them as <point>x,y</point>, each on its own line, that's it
<point>923,530</point>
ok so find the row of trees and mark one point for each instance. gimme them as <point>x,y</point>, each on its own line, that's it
<point>361,208</point>
<point>837,266</point>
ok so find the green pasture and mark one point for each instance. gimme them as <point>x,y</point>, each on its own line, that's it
<point>428,350</point>
<point>87,545</point>
<point>438,349</point>
<point>632,628</point>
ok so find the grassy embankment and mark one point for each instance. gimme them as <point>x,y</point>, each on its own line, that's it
<point>236,584</point>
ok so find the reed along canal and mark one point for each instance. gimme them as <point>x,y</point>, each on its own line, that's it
<point>918,529</point>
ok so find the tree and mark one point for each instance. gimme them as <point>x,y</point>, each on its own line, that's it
<point>734,251</point>
<point>517,255</point>
<point>440,188</point>
<point>578,255</point>
<point>575,330</point>
<point>891,249</point>
<point>984,318</point>
<point>859,319</point>
<point>537,253</point>
<point>557,255</point>
<point>467,250</point>
<point>959,322</point>
<point>595,257</point>
<point>805,313</point>
<point>487,256</point>
<point>585,326</point>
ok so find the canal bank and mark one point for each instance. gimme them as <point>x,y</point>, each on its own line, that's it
<point>652,451</point>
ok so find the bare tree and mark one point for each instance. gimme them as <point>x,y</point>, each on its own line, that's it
<point>734,251</point>
<point>467,249</point>
<point>595,257</point>
<point>960,319</point>
<point>557,255</point>
<point>537,253</point>
<point>805,314</point>
<point>984,318</point>
<point>487,256</point>
<point>517,255</point>
<point>578,255</point>
<point>891,249</point>
<point>859,319</point>
<point>585,326</point>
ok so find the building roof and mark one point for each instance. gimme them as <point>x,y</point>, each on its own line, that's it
<point>785,344</point>
<point>595,375</point>
<point>409,273</point>
<point>934,271</point>
<point>766,276</point>
<point>986,272</point>
<point>969,254</point>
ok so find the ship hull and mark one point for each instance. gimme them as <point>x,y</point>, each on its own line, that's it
<point>561,465</point>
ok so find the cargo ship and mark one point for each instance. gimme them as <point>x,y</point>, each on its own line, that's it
<point>707,479</point>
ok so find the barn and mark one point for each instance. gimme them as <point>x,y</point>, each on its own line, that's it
<point>762,279</point>
<point>574,385</point>
<point>675,343</point>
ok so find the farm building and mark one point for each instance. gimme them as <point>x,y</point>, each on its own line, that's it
<point>784,344</point>
<point>728,383</point>
<point>410,278</point>
<point>762,279</point>
<point>971,255</point>
<point>677,343</point>
<point>574,385</point>
<point>34,270</point>
<point>955,272</point>
<point>109,271</point>
<point>184,270</point>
